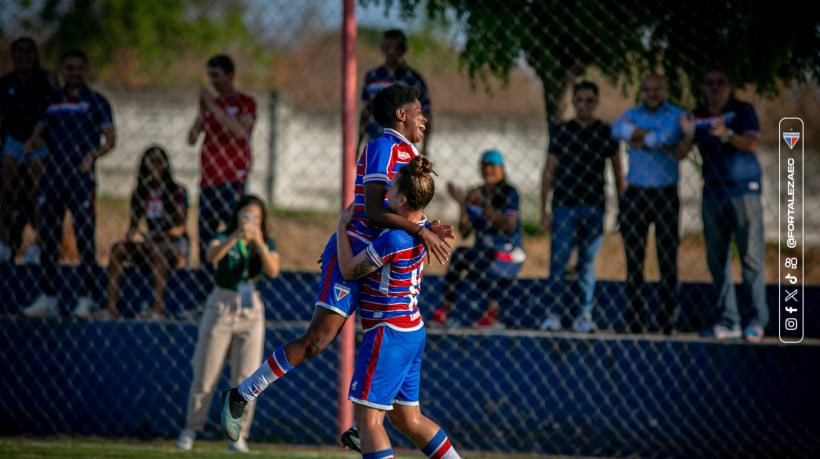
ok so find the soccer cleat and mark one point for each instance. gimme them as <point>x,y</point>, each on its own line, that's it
<point>584,324</point>
<point>753,333</point>
<point>32,255</point>
<point>233,407</point>
<point>722,332</point>
<point>240,446</point>
<point>551,323</point>
<point>186,439</point>
<point>350,438</point>
<point>85,307</point>
<point>43,306</point>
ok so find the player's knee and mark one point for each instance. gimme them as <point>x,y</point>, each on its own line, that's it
<point>403,421</point>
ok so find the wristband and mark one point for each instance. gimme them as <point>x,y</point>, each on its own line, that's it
<point>421,227</point>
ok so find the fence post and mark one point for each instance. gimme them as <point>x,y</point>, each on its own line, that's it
<point>273,109</point>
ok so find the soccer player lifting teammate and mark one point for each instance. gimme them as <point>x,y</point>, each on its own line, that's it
<point>388,365</point>
<point>398,108</point>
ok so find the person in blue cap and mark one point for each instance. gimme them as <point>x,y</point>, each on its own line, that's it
<point>492,211</point>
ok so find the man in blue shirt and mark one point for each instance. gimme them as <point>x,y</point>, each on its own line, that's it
<point>653,136</point>
<point>75,120</point>
<point>726,131</point>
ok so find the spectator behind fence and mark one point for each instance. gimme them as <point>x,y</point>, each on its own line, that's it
<point>164,246</point>
<point>23,93</point>
<point>394,70</point>
<point>227,120</point>
<point>575,175</point>
<point>652,132</point>
<point>233,322</point>
<point>496,257</point>
<point>78,128</point>
<point>726,131</point>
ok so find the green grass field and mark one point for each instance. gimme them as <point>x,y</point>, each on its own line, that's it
<point>86,448</point>
<point>92,448</point>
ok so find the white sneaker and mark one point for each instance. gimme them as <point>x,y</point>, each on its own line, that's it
<point>32,255</point>
<point>186,439</point>
<point>85,306</point>
<point>551,323</point>
<point>240,446</point>
<point>5,253</point>
<point>584,324</point>
<point>43,306</point>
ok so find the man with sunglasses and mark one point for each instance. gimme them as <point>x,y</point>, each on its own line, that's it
<point>726,131</point>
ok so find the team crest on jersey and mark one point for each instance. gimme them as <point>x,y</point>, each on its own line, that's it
<point>404,156</point>
<point>340,291</point>
<point>791,139</point>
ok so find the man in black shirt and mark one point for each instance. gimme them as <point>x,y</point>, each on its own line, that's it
<point>574,174</point>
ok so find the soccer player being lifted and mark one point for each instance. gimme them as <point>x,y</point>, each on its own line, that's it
<point>388,365</point>
<point>398,108</point>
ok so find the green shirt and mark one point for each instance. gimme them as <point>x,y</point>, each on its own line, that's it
<point>241,263</point>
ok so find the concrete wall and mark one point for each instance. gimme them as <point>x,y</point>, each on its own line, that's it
<point>300,166</point>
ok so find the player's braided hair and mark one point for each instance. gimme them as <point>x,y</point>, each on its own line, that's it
<point>390,99</point>
<point>415,182</point>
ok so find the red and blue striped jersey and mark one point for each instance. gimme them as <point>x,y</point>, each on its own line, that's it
<point>389,295</point>
<point>379,162</point>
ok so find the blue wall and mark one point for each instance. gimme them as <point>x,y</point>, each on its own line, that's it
<point>508,391</point>
<point>503,391</point>
<point>291,296</point>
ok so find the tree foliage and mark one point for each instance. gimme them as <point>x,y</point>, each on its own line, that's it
<point>149,34</point>
<point>757,42</point>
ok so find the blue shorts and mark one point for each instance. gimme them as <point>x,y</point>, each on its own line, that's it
<point>14,147</point>
<point>335,293</point>
<point>388,368</point>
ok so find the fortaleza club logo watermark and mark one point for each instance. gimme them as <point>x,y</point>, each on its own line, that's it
<point>791,139</point>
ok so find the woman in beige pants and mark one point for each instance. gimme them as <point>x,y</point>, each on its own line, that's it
<point>233,323</point>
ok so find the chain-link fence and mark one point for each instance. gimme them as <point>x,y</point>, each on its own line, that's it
<point>520,389</point>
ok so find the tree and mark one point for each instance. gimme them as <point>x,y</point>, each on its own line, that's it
<point>148,34</point>
<point>756,41</point>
